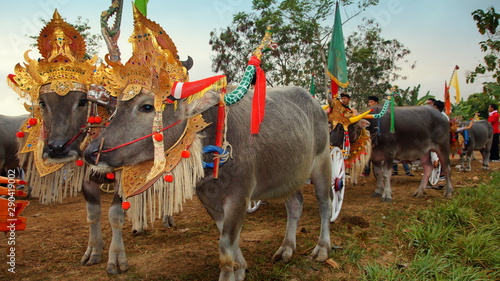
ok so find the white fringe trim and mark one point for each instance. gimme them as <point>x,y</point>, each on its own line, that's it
<point>166,198</point>
<point>54,187</point>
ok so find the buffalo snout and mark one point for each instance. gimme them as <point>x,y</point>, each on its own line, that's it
<point>57,149</point>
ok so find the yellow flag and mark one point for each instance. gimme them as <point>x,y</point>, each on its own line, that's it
<point>454,84</point>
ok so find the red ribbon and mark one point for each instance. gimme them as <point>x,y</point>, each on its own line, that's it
<point>259,96</point>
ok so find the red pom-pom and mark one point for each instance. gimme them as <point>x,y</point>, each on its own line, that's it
<point>21,182</point>
<point>125,205</point>
<point>79,162</point>
<point>91,120</point>
<point>110,176</point>
<point>98,119</point>
<point>168,178</point>
<point>20,135</point>
<point>185,154</point>
<point>158,137</point>
<point>32,121</point>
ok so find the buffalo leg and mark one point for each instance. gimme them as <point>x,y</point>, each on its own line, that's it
<point>446,170</point>
<point>228,212</point>
<point>322,178</point>
<point>93,254</point>
<point>485,152</point>
<point>294,211</point>
<point>378,172</point>
<point>427,166</point>
<point>117,260</point>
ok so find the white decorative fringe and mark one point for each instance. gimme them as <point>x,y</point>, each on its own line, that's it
<point>56,186</point>
<point>358,165</point>
<point>166,198</point>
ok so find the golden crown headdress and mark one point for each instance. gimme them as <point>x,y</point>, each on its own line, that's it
<point>62,67</point>
<point>153,67</point>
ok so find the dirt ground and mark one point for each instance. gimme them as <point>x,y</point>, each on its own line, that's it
<point>56,236</point>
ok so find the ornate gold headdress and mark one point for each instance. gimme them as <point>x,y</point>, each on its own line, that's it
<point>153,67</point>
<point>62,67</point>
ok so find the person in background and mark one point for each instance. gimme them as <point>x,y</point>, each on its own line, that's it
<point>345,99</point>
<point>440,106</point>
<point>493,120</point>
<point>405,166</point>
<point>430,101</point>
<point>372,101</point>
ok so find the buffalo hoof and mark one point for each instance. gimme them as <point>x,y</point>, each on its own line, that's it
<point>138,232</point>
<point>91,260</point>
<point>114,269</point>
<point>486,167</point>
<point>320,253</point>
<point>92,256</point>
<point>418,195</point>
<point>376,194</point>
<point>284,254</point>
<point>168,221</point>
<point>385,199</point>
<point>448,194</point>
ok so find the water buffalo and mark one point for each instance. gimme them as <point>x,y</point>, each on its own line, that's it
<point>478,137</point>
<point>419,130</point>
<point>9,126</point>
<point>292,146</point>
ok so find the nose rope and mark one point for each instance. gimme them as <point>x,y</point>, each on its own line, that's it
<point>139,139</point>
<point>77,135</point>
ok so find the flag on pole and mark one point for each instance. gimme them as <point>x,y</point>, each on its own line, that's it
<point>337,63</point>
<point>447,103</point>
<point>142,6</point>
<point>312,88</point>
<point>454,84</point>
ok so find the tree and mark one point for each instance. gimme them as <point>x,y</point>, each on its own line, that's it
<point>487,24</point>
<point>373,63</point>
<point>410,97</point>
<point>92,40</point>
<point>297,29</point>
<point>476,103</point>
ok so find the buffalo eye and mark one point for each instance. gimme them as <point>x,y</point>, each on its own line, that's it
<point>146,108</point>
<point>41,104</point>
<point>82,102</point>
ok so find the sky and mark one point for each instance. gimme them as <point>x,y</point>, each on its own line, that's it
<point>439,33</point>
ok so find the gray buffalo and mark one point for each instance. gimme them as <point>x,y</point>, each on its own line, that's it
<point>9,126</point>
<point>292,146</point>
<point>478,137</point>
<point>419,130</point>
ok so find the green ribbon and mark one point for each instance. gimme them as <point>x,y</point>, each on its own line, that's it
<point>387,103</point>
<point>240,91</point>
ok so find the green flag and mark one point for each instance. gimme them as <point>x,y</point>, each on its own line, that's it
<point>337,63</point>
<point>312,89</point>
<point>142,5</point>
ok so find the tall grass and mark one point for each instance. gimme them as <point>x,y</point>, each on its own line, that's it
<point>456,240</point>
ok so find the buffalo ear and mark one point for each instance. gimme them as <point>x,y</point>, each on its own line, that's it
<point>363,123</point>
<point>201,104</point>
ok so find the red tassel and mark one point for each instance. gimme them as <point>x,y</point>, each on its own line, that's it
<point>259,96</point>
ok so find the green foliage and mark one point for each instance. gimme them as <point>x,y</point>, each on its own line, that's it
<point>476,103</point>
<point>373,62</point>
<point>487,24</point>
<point>303,41</point>
<point>456,240</point>
<point>410,97</point>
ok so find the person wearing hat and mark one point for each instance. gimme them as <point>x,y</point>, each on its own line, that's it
<point>372,101</point>
<point>345,99</point>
